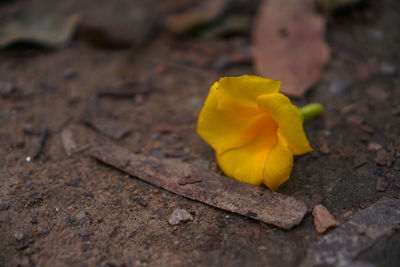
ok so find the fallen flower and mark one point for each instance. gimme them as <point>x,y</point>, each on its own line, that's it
<point>254,129</point>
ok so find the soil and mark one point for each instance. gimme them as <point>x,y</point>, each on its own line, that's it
<point>60,210</point>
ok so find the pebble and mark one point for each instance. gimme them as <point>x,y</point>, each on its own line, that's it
<point>383,158</point>
<point>25,262</point>
<point>85,233</point>
<point>143,202</point>
<point>374,146</point>
<point>178,216</point>
<point>18,235</point>
<point>381,184</point>
<point>338,86</point>
<point>70,73</point>
<point>34,220</point>
<point>387,69</point>
<point>81,214</point>
<point>74,182</point>
<point>323,219</point>
<point>4,206</point>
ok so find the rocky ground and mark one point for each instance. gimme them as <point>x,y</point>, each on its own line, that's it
<point>71,210</point>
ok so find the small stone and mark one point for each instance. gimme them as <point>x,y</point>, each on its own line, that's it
<point>338,86</point>
<point>4,206</point>
<point>66,219</point>
<point>34,220</point>
<point>80,215</point>
<point>323,146</point>
<point>323,220</point>
<point>381,184</point>
<point>7,88</point>
<point>18,235</point>
<point>374,146</point>
<point>387,69</point>
<point>74,182</point>
<point>143,202</point>
<point>21,246</point>
<point>26,262</point>
<point>157,153</point>
<point>70,73</point>
<point>85,233</point>
<point>222,63</point>
<point>383,158</point>
<point>178,216</point>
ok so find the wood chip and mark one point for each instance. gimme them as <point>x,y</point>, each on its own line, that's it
<point>350,239</point>
<point>323,219</point>
<point>107,126</point>
<point>219,191</point>
<point>68,141</point>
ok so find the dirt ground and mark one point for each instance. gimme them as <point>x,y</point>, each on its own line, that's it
<point>60,210</point>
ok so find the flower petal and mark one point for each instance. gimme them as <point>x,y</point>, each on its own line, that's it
<point>289,120</point>
<point>278,165</point>
<point>226,131</point>
<point>246,164</point>
<point>240,93</point>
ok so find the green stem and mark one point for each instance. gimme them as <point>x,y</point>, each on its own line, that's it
<point>311,111</point>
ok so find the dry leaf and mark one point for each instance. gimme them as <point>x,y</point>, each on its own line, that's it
<point>289,44</point>
<point>47,30</point>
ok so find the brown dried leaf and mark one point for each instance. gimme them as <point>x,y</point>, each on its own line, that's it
<point>289,44</point>
<point>215,190</point>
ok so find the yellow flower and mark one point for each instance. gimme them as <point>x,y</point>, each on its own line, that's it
<point>254,129</point>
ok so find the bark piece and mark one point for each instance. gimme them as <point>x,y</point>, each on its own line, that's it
<point>68,141</point>
<point>355,236</point>
<point>215,190</point>
<point>323,219</point>
<point>289,44</point>
<point>178,216</point>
